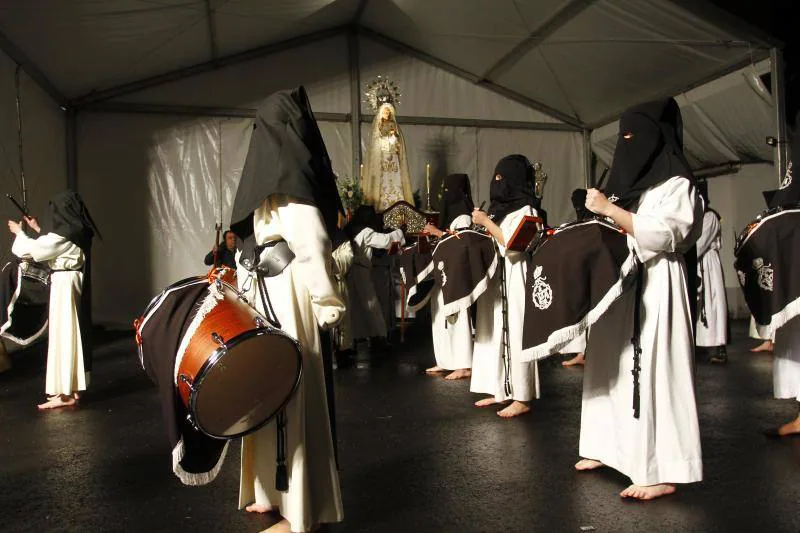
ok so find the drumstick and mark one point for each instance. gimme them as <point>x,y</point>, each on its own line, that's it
<point>14,201</point>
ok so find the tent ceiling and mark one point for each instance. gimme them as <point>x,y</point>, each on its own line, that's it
<point>583,60</point>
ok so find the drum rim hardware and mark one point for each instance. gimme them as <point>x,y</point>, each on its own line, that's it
<point>194,384</point>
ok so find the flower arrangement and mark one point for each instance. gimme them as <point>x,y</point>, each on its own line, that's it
<point>350,192</point>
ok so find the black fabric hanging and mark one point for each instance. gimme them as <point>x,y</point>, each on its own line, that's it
<point>286,156</point>
<point>649,151</point>
<point>514,190</point>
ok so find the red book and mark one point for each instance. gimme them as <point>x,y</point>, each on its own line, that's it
<point>524,234</point>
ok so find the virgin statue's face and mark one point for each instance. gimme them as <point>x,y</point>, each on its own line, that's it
<point>387,113</point>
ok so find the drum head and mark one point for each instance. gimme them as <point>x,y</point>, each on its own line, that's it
<point>242,389</point>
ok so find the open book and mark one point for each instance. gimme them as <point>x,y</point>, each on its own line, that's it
<point>525,233</point>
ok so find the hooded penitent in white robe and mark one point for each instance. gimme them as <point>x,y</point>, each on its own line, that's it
<point>304,298</point>
<point>65,365</point>
<point>715,303</point>
<point>366,315</point>
<point>663,444</point>
<point>786,361</point>
<point>488,372</point>
<point>452,336</point>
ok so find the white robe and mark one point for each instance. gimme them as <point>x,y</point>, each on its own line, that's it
<point>304,298</point>
<point>488,373</point>
<point>786,362</point>
<point>366,314</point>
<point>452,337</point>
<point>663,445</point>
<point>715,300</point>
<point>65,372</point>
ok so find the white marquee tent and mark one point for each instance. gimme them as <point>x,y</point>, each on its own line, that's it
<point>144,105</point>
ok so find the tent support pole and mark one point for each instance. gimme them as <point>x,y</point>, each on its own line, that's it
<point>588,156</point>
<point>779,97</point>
<point>71,138</point>
<point>355,102</point>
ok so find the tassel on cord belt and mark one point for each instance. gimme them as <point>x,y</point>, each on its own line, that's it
<point>506,346</point>
<point>281,472</point>
<point>701,296</point>
<point>637,342</point>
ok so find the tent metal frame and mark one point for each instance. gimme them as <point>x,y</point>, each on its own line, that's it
<point>90,101</point>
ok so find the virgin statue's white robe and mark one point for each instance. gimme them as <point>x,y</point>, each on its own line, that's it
<point>663,444</point>
<point>366,314</point>
<point>65,372</point>
<point>786,361</point>
<point>452,337</point>
<point>715,301</point>
<point>488,373</point>
<point>304,298</point>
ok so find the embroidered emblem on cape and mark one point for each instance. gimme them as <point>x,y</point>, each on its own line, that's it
<point>542,293</point>
<point>766,274</point>
<point>742,278</point>
<point>403,275</point>
<point>787,178</point>
<point>440,266</point>
<point>613,198</point>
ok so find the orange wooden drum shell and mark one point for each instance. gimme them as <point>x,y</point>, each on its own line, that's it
<point>229,318</point>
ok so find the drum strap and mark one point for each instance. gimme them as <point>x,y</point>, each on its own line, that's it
<point>637,341</point>
<point>269,311</point>
<point>281,473</point>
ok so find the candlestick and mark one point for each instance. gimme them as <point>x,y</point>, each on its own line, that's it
<point>428,184</point>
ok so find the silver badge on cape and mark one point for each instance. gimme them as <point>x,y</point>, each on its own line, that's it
<point>766,274</point>
<point>440,266</point>
<point>403,275</point>
<point>613,198</point>
<point>542,293</point>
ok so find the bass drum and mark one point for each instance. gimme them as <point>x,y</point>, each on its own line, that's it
<point>25,301</point>
<point>232,371</point>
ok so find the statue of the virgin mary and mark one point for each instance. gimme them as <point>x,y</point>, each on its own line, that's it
<point>386,179</point>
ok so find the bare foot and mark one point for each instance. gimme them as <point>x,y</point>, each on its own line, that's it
<point>577,360</point>
<point>486,402</point>
<point>587,464</point>
<point>258,508</point>
<point>461,373</point>
<point>280,527</point>
<point>435,370</point>
<point>766,346</point>
<point>514,409</point>
<point>60,400</point>
<point>650,492</point>
<point>790,428</point>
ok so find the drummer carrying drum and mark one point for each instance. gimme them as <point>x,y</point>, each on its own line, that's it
<point>63,244</point>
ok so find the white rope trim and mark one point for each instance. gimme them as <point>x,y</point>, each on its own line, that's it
<point>209,303</point>
<point>561,337</point>
<point>33,338</point>
<point>463,303</point>
<point>779,319</point>
<point>201,478</point>
<point>761,223</point>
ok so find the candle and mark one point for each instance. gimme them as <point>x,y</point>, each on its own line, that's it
<point>428,185</point>
<point>361,173</point>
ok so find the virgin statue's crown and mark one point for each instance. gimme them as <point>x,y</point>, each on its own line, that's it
<point>382,91</point>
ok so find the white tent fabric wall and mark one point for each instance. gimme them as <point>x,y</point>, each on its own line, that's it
<point>428,91</point>
<point>43,147</point>
<point>168,172</point>
<point>321,66</point>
